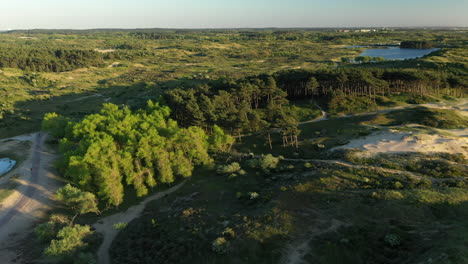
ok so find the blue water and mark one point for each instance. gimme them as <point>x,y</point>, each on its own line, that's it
<point>395,53</point>
<point>6,165</point>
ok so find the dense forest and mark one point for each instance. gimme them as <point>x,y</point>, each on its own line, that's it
<point>257,103</point>
<point>118,147</point>
<point>408,44</point>
<point>48,60</point>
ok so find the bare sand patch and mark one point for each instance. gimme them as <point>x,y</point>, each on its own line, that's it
<point>105,50</point>
<point>114,64</point>
<point>395,141</point>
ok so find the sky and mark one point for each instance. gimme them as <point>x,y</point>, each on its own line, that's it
<point>84,14</point>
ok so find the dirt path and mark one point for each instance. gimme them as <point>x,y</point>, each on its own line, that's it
<point>84,98</point>
<point>30,201</point>
<point>456,106</point>
<point>296,251</point>
<point>105,226</point>
<point>460,105</point>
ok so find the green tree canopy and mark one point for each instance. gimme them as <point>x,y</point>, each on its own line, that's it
<point>118,147</point>
<point>70,240</point>
<point>80,201</point>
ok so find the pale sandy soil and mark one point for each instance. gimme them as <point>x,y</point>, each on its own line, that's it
<point>114,64</point>
<point>105,50</point>
<point>394,141</point>
<point>105,226</point>
<point>461,106</point>
<point>30,202</point>
<point>387,141</point>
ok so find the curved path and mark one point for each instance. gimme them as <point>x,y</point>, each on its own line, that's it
<point>105,226</point>
<point>325,116</point>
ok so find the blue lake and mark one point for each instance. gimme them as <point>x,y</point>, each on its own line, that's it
<point>395,53</point>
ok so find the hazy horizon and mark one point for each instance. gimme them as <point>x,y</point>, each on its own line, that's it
<point>206,14</point>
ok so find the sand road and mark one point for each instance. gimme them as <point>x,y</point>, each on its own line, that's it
<point>30,201</point>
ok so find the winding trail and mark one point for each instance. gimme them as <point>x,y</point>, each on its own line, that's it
<point>457,106</point>
<point>84,98</point>
<point>105,226</point>
<point>296,252</point>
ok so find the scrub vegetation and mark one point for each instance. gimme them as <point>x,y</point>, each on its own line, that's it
<point>250,121</point>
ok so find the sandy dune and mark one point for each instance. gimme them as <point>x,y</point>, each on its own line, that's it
<point>395,141</point>
<point>392,140</point>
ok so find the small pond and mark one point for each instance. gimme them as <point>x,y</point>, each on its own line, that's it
<point>396,53</point>
<point>6,165</point>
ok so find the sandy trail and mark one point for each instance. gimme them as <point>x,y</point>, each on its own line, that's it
<point>105,226</point>
<point>461,106</point>
<point>296,251</point>
<point>84,98</point>
<point>323,117</point>
<point>30,202</point>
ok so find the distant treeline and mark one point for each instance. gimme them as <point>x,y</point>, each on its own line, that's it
<point>48,60</point>
<point>324,35</point>
<point>424,44</point>
<point>369,82</point>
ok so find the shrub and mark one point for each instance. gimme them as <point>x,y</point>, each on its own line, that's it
<point>392,240</point>
<point>265,162</point>
<point>220,245</point>
<point>120,226</point>
<point>229,169</point>
<point>253,195</point>
<point>268,162</point>
<point>398,185</point>
<point>46,231</point>
<point>252,163</point>
<point>229,233</point>
<point>70,240</point>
